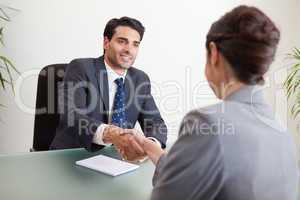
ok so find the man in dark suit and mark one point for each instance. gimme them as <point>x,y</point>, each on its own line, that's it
<point>101,99</point>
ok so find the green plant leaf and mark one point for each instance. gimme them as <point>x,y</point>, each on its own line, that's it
<point>7,65</point>
<point>295,110</point>
<point>292,82</point>
<point>297,52</point>
<point>290,78</point>
<point>2,67</point>
<point>10,77</point>
<point>3,15</point>
<point>10,63</point>
<point>1,36</point>
<point>2,81</point>
<point>291,86</point>
<point>2,106</point>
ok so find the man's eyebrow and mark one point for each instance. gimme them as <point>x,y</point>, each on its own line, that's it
<point>123,38</point>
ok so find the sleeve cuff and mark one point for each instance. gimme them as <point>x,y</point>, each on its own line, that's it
<point>155,140</point>
<point>98,137</point>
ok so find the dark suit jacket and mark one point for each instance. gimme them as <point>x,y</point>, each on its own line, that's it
<point>83,103</point>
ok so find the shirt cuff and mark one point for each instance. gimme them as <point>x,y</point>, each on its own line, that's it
<point>155,140</point>
<point>98,137</point>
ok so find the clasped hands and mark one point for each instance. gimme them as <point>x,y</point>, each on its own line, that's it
<point>131,144</point>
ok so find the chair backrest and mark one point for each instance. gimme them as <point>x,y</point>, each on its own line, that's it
<point>46,113</point>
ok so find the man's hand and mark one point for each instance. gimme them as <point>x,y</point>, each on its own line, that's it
<point>124,141</point>
<point>130,149</point>
<point>111,133</point>
<point>152,149</point>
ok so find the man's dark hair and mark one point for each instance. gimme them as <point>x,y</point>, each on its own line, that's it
<point>112,24</point>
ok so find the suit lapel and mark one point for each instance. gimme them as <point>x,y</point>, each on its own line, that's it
<point>101,76</point>
<point>129,89</point>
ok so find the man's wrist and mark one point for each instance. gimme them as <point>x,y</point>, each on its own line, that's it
<point>109,135</point>
<point>106,137</point>
<point>98,137</point>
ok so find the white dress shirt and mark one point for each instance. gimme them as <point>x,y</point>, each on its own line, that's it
<point>112,88</point>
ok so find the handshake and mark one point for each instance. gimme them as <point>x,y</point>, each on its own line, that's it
<point>131,144</point>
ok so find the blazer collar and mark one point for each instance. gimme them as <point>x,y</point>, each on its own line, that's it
<point>248,94</point>
<point>101,77</point>
<point>130,85</point>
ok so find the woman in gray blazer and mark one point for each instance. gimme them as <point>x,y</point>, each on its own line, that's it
<point>233,150</point>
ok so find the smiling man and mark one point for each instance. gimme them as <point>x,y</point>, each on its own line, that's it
<point>102,98</point>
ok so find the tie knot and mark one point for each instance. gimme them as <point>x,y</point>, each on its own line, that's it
<point>119,82</point>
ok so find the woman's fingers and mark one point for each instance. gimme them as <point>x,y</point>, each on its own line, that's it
<point>137,147</point>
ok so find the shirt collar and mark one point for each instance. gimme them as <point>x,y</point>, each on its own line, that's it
<point>112,75</point>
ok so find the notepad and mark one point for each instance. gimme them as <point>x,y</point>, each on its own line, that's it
<point>107,165</point>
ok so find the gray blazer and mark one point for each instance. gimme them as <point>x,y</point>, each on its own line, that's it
<point>233,150</point>
<point>83,101</point>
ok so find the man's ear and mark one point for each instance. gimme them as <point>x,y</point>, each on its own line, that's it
<point>214,54</point>
<point>105,42</point>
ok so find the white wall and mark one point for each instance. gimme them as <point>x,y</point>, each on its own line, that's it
<point>57,31</point>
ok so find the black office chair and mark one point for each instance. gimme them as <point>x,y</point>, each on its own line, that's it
<point>46,114</point>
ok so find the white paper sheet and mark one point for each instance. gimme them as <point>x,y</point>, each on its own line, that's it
<point>107,165</point>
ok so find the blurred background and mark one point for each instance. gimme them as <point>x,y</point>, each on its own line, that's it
<point>172,52</point>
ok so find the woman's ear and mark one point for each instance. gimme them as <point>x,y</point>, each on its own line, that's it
<point>214,53</point>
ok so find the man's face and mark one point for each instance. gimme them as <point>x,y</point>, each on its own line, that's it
<point>122,49</point>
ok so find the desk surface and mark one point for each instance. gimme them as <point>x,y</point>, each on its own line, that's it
<point>54,175</point>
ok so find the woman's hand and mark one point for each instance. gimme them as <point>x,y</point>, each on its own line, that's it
<point>152,149</point>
